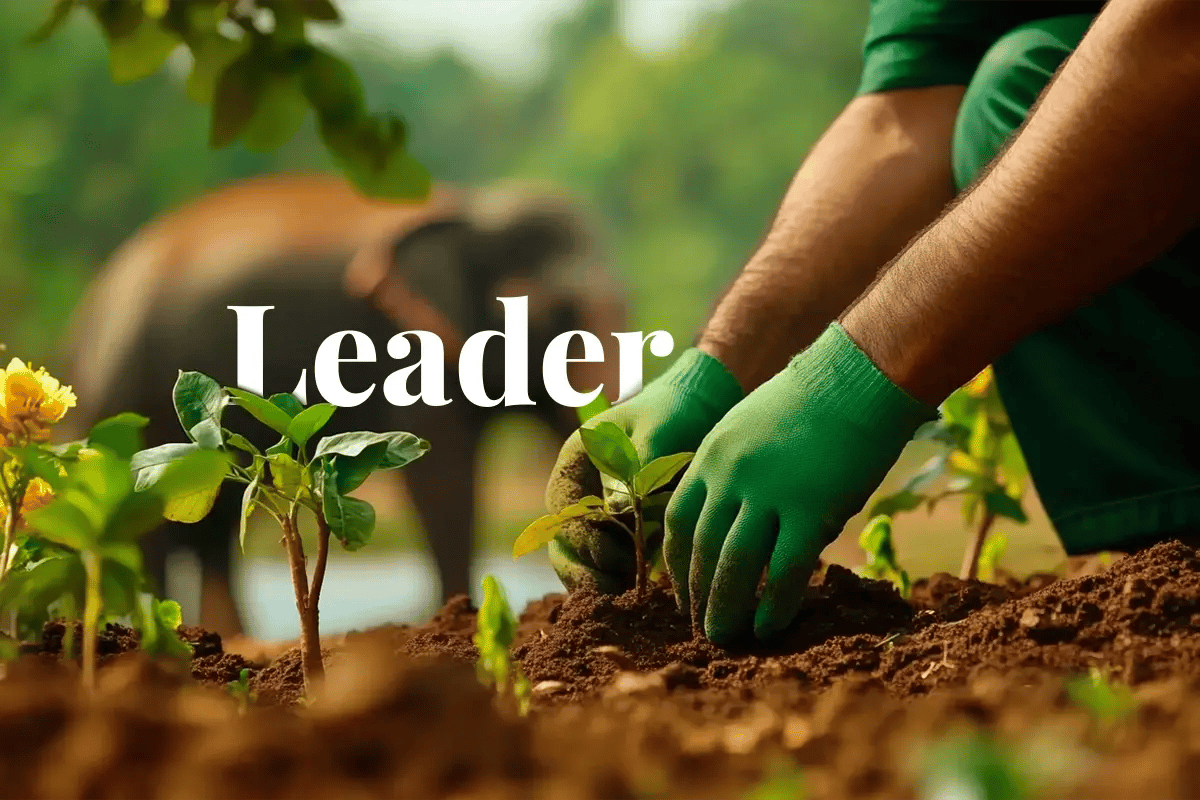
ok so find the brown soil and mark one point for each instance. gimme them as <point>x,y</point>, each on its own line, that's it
<point>628,703</point>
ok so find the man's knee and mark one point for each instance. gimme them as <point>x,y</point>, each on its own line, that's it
<point>1008,80</point>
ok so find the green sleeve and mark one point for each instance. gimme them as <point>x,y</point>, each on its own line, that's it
<point>916,43</point>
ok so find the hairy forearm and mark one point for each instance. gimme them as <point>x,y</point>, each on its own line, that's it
<point>878,175</point>
<point>1099,182</point>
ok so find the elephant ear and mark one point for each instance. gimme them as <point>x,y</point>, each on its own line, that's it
<point>431,262</point>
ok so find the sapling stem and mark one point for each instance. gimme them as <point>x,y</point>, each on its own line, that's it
<point>639,546</point>
<point>92,603</point>
<point>310,636</point>
<point>10,538</point>
<point>970,565</point>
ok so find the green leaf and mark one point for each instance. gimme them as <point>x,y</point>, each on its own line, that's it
<point>960,408</point>
<point>199,403</point>
<point>286,474</point>
<point>1012,462</point>
<point>989,555</point>
<point>308,422</point>
<point>495,630</point>
<point>58,15</point>
<point>148,466</point>
<point>288,403</point>
<point>351,520</point>
<point>38,587</point>
<point>537,534</point>
<point>278,114</point>
<point>248,504</point>
<point>332,88</point>
<point>10,648</point>
<point>659,472</point>
<point>159,621</point>
<point>929,473</point>
<point>893,504</point>
<point>140,55</point>
<point>122,434</point>
<point>598,404</point>
<point>357,454</point>
<point>263,410</point>
<point>945,432</point>
<point>240,442</point>
<point>1002,505</point>
<point>235,100</point>
<point>211,53</point>
<point>63,523</point>
<point>611,450</point>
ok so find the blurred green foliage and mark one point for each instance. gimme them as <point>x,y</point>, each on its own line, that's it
<point>682,157</point>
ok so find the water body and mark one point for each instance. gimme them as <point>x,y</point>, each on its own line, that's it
<point>360,593</point>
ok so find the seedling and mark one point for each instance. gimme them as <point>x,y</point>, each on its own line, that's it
<point>240,689</point>
<point>1108,702</point>
<point>974,767</point>
<point>630,489</point>
<point>495,630</point>
<point>989,556</point>
<point>282,480</point>
<point>876,541</point>
<point>785,782</point>
<point>980,462</point>
<point>598,404</point>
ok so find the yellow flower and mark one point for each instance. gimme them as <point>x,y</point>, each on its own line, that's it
<point>37,494</point>
<point>30,403</point>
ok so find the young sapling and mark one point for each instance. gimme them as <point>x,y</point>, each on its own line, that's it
<point>1108,701</point>
<point>240,690</point>
<point>495,630</point>
<point>876,541</point>
<point>284,480</point>
<point>980,461</point>
<point>631,489</point>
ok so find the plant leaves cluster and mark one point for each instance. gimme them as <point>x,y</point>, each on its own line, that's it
<point>877,542</point>
<point>253,63</point>
<point>631,489</point>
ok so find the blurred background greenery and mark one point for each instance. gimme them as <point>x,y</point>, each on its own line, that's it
<point>681,151</point>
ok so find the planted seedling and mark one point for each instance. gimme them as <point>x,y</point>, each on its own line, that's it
<point>980,462</point>
<point>240,690</point>
<point>876,541</point>
<point>630,490</point>
<point>495,630</point>
<point>88,555</point>
<point>282,480</point>
<point>1109,702</point>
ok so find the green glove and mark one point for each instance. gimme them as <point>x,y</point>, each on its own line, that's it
<point>671,414</point>
<point>776,480</point>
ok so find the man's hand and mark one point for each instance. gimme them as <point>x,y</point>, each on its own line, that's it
<point>670,415</point>
<point>776,480</point>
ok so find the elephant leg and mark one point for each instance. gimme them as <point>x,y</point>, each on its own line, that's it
<point>442,486</point>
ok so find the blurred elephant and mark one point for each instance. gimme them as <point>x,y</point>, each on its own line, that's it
<point>329,260</point>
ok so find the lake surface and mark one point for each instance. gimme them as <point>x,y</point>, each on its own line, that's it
<point>359,593</point>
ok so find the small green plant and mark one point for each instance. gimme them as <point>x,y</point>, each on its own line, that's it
<point>283,480</point>
<point>975,767</point>
<point>1109,702</point>
<point>630,489</point>
<point>980,462</point>
<point>240,689</point>
<point>990,555</point>
<point>876,541</point>
<point>495,631</point>
<point>598,404</point>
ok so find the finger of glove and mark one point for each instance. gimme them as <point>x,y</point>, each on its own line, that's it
<point>713,527</point>
<point>573,476</point>
<point>744,557</point>
<point>679,528</point>
<point>797,549</point>
<point>575,572</point>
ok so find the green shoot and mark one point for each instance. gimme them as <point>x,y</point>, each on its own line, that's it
<point>876,541</point>
<point>283,480</point>
<point>630,489</point>
<point>1108,702</point>
<point>980,462</point>
<point>990,555</point>
<point>240,689</point>
<point>495,631</point>
<point>975,767</point>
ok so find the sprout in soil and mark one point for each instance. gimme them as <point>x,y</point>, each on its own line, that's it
<point>495,630</point>
<point>630,490</point>
<point>1109,702</point>
<point>283,480</point>
<point>876,541</point>
<point>980,461</point>
<point>240,690</point>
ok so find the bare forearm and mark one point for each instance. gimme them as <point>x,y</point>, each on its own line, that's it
<point>1100,181</point>
<point>879,174</point>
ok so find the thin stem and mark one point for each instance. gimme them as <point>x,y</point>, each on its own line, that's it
<point>970,565</point>
<point>639,547</point>
<point>310,638</point>
<point>91,617</point>
<point>314,592</point>
<point>10,538</point>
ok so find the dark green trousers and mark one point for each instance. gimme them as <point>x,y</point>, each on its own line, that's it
<point>1105,403</point>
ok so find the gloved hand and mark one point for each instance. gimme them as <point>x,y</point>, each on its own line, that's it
<point>776,480</point>
<point>669,415</point>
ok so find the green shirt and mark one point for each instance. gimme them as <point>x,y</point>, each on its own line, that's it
<point>915,43</point>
